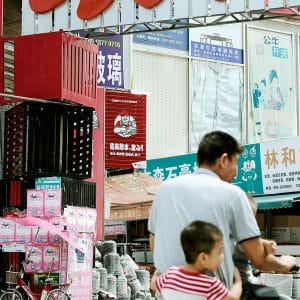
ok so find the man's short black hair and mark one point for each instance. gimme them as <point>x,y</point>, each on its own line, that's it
<point>214,144</point>
<point>199,237</point>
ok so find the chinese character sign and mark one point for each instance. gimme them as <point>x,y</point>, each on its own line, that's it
<point>110,62</point>
<point>173,39</point>
<point>125,129</point>
<point>222,43</point>
<point>280,162</point>
<point>270,167</point>
<point>263,168</point>
<point>170,167</point>
<point>272,97</point>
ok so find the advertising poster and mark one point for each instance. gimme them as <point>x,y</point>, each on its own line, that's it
<point>217,81</point>
<point>281,166</point>
<point>272,110</point>
<point>125,127</point>
<point>249,175</point>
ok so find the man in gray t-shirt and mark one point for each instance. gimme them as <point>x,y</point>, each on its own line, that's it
<point>208,196</point>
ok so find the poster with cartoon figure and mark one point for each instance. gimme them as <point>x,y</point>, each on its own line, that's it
<point>249,176</point>
<point>272,112</point>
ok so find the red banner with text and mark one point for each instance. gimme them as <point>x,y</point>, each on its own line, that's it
<point>125,129</point>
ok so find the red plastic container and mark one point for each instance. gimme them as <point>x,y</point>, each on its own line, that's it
<point>55,65</point>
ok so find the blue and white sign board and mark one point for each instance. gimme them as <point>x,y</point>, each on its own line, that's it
<point>224,43</point>
<point>173,39</point>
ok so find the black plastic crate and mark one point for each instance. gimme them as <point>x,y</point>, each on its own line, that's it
<point>78,193</point>
<point>48,139</point>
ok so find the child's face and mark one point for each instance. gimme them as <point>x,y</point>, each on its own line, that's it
<point>211,261</point>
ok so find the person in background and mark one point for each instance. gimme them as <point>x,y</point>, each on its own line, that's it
<point>207,195</point>
<point>202,244</point>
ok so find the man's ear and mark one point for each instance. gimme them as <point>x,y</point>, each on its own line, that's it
<point>222,160</point>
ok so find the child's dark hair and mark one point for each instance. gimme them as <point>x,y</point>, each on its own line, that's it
<point>199,237</point>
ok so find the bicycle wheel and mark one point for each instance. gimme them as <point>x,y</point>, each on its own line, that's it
<point>11,295</point>
<point>57,294</point>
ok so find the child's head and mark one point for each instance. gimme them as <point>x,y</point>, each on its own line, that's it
<point>202,244</point>
<point>252,204</point>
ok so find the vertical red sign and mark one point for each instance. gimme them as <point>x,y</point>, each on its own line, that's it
<point>125,129</point>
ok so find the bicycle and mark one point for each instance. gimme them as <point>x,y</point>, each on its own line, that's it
<point>49,291</point>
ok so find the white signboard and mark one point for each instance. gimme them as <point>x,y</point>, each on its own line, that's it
<point>280,165</point>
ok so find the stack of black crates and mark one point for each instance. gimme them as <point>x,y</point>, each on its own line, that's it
<point>44,140</point>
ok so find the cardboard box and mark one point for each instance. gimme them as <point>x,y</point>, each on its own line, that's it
<point>282,282</point>
<point>289,250</point>
<point>281,234</point>
<point>285,221</point>
<point>295,235</point>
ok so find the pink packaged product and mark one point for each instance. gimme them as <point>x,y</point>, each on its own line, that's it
<point>36,257</point>
<point>81,219</point>
<point>70,214</point>
<point>58,223</point>
<point>23,234</point>
<point>35,203</point>
<point>51,262</point>
<point>40,235</point>
<point>52,202</point>
<point>7,231</point>
<point>91,215</point>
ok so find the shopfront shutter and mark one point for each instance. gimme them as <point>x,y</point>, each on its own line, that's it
<point>164,78</point>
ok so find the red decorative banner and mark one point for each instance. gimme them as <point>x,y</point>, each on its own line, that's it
<point>125,129</point>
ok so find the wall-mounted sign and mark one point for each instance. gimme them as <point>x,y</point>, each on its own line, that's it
<point>223,43</point>
<point>272,97</point>
<point>172,39</point>
<point>169,167</point>
<point>125,129</point>
<point>265,168</point>
<point>249,175</point>
<point>110,62</point>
